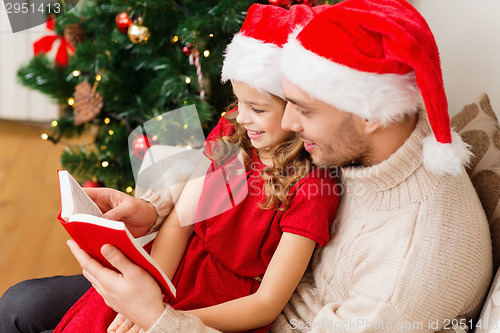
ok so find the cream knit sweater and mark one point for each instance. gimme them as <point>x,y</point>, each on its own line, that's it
<point>410,251</point>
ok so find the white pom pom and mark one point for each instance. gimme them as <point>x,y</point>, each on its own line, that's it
<point>445,158</point>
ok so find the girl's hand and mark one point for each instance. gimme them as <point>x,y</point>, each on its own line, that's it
<point>131,291</point>
<point>123,325</point>
<point>137,214</point>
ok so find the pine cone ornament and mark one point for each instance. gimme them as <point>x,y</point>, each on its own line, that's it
<point>75,34</point>
<point>88,103</point>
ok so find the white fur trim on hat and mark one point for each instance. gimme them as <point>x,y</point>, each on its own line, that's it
<point>383,97</point>
<point>445,158</point>
<point>253,62</point>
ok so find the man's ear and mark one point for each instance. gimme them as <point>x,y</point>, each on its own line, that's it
<point>372,125</point>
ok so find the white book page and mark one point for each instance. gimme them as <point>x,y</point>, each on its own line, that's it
<point>74,200</point>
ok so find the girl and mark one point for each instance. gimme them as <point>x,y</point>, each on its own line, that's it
<point>238,269</point>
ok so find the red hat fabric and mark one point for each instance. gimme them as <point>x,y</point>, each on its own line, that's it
<point>377,59</point>
<point>254,54</point>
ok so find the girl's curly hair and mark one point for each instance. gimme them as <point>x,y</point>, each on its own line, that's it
<point>290,162</point>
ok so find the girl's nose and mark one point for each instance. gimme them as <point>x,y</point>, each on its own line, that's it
<point>243,116</point>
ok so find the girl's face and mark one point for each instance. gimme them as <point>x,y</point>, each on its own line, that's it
<point>261,116</point>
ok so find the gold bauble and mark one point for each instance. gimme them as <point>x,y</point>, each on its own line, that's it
<point>138,33</point>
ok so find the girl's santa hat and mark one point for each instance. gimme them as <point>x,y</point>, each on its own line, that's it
<point>377,59</point>
<point>254,54</point>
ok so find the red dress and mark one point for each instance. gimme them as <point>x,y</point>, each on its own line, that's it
<point>228,253</point>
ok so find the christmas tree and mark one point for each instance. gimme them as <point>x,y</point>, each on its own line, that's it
<point>121,63</point>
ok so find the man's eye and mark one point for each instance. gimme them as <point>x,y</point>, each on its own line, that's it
<point>257,110</point>
<point>303,113</point>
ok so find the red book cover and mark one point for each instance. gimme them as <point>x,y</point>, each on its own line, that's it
<point>80,216</point>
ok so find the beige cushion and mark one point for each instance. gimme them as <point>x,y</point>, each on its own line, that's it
<point>478,126</point>
<point>489,320</point>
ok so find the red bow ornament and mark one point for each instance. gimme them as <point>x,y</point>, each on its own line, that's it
<point>46,43</point>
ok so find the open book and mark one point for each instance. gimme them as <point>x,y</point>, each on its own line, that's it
<point>82,219</point>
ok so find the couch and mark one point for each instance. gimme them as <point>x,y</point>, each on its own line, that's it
<point>479,127</point>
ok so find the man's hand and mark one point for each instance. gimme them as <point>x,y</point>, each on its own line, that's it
<point>137,214</point>
<point>131,291</point>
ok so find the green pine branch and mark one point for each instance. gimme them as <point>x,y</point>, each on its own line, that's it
<point>137,81</point>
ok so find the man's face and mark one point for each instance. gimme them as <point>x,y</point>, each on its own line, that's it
<point>332,137</point>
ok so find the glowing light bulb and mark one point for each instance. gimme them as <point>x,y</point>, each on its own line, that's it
<point>111,132</point>
<point>53,123</point>
<point>98,77</point>
<point>76,73</point>
<point>188,80</point>
<point>44,136</point>
<point>175,39</point>
<point>71,101</point>
<point>107,121</point>
<point>105,164</point>
<point>206,53</point>
<point>129,189</point>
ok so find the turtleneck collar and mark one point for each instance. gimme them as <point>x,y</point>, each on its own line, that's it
<point>378,184</point>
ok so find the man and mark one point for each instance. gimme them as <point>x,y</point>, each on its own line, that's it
<point>410,247</point>
<point>409,224</point>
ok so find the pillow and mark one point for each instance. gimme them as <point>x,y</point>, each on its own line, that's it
<point>478,126</point>
<point>490,314</point>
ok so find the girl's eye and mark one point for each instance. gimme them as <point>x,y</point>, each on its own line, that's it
<point>257,110</point>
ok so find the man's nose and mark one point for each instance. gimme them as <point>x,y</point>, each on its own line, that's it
<point>290,121</point>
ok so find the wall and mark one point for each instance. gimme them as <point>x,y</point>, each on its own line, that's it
<point>17,102</point>
<point>467,33</point>
<point>468,36</point>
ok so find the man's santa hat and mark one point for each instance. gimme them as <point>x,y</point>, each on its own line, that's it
<point>254,54</point>
<point>377,59</point>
